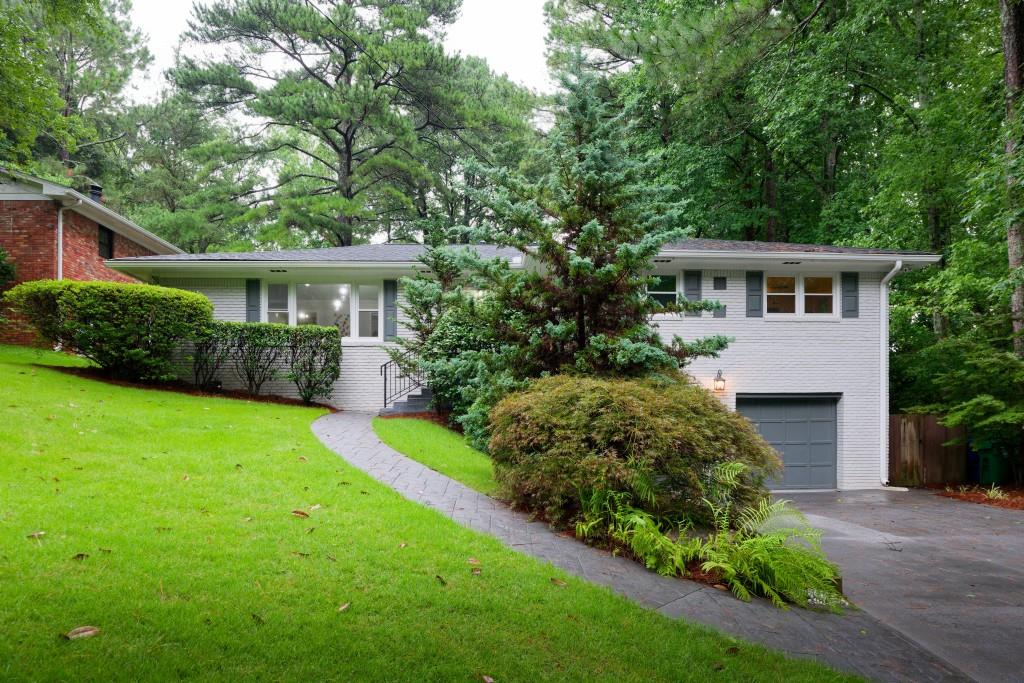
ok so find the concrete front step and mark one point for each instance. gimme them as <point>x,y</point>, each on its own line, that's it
<point>412,403</point>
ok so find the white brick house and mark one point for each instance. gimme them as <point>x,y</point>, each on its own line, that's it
<point>809,364</point>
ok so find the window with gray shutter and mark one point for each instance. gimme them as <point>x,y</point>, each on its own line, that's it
<point>691,287</point>
<point>850,289</point>
<point>390,309</point>
<point>755,294</point>
<point>252,301</point>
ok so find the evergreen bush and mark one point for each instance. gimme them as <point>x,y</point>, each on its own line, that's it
<point>566,436</point>
<point>131,331</point>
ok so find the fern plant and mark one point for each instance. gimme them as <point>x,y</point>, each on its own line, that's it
<point>765,549</point>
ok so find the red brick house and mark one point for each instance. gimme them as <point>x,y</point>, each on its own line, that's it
<point>53,232</point>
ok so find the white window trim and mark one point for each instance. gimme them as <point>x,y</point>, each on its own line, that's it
<point>800,315</point>
<point>678,275</point>
<point>355,309</point>
<point>293,308</point>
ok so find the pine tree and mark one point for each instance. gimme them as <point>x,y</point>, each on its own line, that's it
<point>591,224</point>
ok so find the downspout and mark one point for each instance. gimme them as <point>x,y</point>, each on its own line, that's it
<point>60,242</point>
<point>60,238</point>
<point>883,371</point>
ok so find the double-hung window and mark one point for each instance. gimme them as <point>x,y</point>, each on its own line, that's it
<point>369,310</point>
<point>807,296</point>
<point>277,303</point>
<point>664,290</point>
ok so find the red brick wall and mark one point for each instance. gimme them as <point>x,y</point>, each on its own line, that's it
<point>82,259</point>
<point>28,232</point>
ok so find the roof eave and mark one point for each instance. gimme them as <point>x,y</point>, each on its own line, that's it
<point>922,259</point>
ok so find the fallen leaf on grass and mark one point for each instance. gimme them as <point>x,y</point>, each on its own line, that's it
<point>80,556</point>
<point>36,534</point>
<point>332,558</point>
<point>441,579</point>
<point>248,519</point>
<point>257,618</point>
<point>402,545</point>
<point>300,513</point>
<point>310,529</point>
<point>486,679</point>
<point>732,650</point>
<point>185,478</point>
<point>558,582</point>
<point>106,550</point>
<point>302,458</point>
<point>82,632</point>
<point>314,508</point>
<point>473,560</point>
<point>296,553</point>
<point>344,607</point>
<point>721,586</point>
<point>476,571</point>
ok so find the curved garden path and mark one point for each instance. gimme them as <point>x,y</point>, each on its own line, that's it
<point>853,642</point>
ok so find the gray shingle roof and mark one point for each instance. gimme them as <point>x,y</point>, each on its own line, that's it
<point>741,246</point>
<point>360,253</point>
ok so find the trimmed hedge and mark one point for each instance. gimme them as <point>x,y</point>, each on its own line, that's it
<point>130,331</point>
<point>256,352</point>
<point>563,438</point>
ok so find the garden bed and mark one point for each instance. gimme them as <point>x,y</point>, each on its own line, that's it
<point>1008,497</point>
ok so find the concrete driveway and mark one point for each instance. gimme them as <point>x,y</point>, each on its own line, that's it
<point>947,574</point>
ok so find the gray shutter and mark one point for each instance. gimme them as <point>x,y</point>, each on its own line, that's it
<point>719,312</point>
<point>252,301</point>
<point>850,292</point>
<point>755,294</point>
<point>691,287</point>
<point>390,309</point>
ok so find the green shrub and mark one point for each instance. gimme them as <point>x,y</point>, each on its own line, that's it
<point>656,440</point>
<point>6,269</point>
<point>130,330</point>
<point>315,360</point>
<point>210,351</point>
<point>256,350</point>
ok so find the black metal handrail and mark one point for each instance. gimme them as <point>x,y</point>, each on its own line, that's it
<point>398,383</point>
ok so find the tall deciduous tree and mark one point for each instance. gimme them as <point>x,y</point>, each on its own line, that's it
<point>30,100</point>
<point>91,63</point>
<point>1012,14</point>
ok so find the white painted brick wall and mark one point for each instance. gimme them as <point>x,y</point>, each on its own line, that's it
<point>360,387</point>
<point>227,296</point>
<point>768,356</point>
<point>775,356</point>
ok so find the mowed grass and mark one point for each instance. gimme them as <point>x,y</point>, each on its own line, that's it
<point>440,449</point>
<point>168,524</point>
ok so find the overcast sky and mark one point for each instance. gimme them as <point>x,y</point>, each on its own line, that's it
<point>509,34</point>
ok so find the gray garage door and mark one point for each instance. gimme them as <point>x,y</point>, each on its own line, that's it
<point>803,430</point>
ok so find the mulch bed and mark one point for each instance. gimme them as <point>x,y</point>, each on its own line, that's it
<point>181,388</point>
<point>1014,497</point>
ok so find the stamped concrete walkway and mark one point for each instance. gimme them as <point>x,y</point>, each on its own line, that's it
<point>853,642</point>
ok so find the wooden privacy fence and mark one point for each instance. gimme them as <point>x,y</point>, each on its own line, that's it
<point>918,456</point>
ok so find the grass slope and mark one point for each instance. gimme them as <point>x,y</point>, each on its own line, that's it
<point>439,449</point>
<point>195,567</point>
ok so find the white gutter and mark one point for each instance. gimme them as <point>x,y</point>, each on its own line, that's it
<point>883,371</point>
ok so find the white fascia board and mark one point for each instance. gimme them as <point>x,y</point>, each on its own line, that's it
<point>259,267</point>
<point>879,260</point>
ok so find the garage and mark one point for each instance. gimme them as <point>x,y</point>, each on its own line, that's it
<point>802,429</point>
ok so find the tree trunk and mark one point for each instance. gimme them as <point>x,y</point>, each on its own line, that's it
<point>770,198</point>
<point>1012,20</point>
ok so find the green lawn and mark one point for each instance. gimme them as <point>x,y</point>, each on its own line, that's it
<point>439,449</point>
<point>168,524</point>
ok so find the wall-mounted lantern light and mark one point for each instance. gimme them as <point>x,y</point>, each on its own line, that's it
<point>719,382</point>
